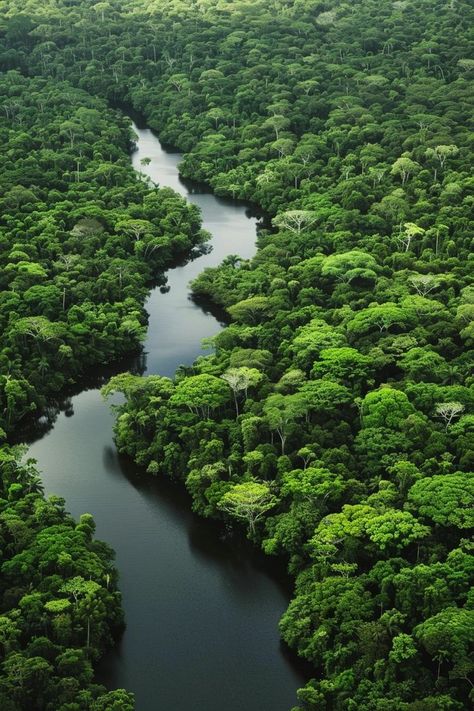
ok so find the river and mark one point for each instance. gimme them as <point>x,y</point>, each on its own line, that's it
<point>201,610</point>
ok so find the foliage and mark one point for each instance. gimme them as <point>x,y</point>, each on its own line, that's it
<point>60,608</point>
<point>348,124</point>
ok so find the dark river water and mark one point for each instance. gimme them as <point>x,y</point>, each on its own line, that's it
<point>201,610</point>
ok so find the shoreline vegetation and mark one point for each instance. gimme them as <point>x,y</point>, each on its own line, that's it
<point>81,246</point>
<point>334,420</point>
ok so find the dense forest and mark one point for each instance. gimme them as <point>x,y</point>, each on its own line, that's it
<point>334,420</point>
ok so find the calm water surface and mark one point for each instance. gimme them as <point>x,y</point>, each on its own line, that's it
<point>201,611</point>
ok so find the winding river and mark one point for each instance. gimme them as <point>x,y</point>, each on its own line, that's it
<point>201,610</point>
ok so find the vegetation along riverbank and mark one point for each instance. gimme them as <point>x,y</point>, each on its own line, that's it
<point>334,421</point>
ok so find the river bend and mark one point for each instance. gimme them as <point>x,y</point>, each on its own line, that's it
<point>201,611</point>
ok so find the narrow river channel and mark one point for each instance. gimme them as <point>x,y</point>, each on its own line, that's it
<point>201,611</point>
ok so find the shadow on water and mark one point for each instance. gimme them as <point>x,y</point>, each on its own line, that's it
<point>213,541</point>
<point>36,427</point>
<point>218,548</point>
